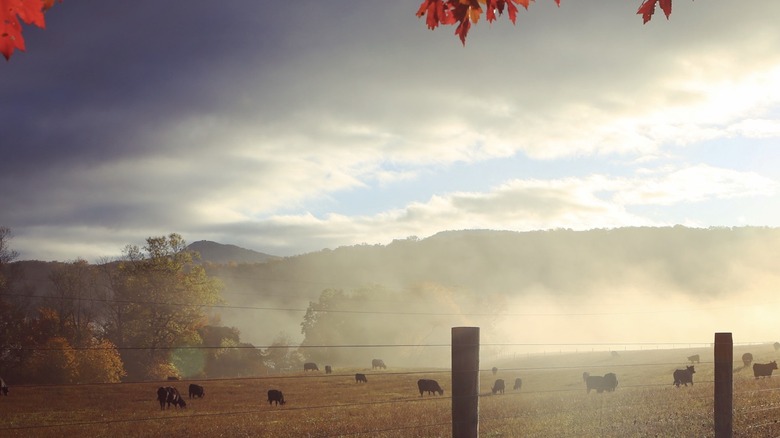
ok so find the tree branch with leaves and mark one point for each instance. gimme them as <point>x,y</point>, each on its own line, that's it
<point>463,13</point>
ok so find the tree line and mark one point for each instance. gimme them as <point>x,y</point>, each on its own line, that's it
<point>143,316</point>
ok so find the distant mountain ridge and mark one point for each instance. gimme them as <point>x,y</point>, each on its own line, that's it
<point>219,253</point>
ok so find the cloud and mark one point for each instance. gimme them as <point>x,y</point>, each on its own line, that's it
<point>265,126</point>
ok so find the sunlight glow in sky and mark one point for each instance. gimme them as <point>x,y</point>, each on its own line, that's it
<point>304,127</point>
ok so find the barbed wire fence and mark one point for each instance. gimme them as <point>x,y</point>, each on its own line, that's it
<point>754,416</point>
<point>755,409</point>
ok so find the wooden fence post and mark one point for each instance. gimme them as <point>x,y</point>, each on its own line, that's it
<point>465,382</point>
<point>724,390</point>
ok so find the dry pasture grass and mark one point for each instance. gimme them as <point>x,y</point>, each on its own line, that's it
<point>552,403</point>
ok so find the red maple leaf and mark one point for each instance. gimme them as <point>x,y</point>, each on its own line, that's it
<point>647,8</point>
<point>11,12</point>
<point>465,12</point>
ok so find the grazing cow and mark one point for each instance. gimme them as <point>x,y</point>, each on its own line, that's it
<point>172,378</point>
<point>693,359</point>
<point>162,397</point>
<point>764,369</point>
<point>777,346</point>
<point>378,363</point>
<point>607,382</point>
<point>614,354</point>
<point>494,370</point>
<point>610,382</point>
<point>196,391</point>
<point>310,366</point>
<point>498,386</point>
<point>360,378</point>
<point>747,359</point>
<point>429,386</point>
<point>684,377</point>
<point>274,395</point>
<point>3,387</point>
<point>174,398</point>
<point>518,384</point>
<point>328,369</point>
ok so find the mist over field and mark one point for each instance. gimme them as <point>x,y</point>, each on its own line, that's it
<point>621,289</point>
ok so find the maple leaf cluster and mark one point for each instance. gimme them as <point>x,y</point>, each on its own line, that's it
<point>464,12</point>
<point>12,14</point>
<point>648,8</point>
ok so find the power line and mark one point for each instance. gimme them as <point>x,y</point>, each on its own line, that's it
<point>377,312</point>
<point>356,346</point>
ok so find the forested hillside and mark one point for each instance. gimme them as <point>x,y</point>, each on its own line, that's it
<point>529,290</point>
<point>502,272</point>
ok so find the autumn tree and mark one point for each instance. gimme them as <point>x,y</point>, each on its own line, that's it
<point>99,362</point>
<point>7,255</point>
<point>13,332</point>
<point>340,318</point>
<point>13,309</point>
<point>94,360</point>
<point>74,298</point>
<point>158,301</point>
<point>364,323</point>
<point>283,354</point>
<point>224,355</point>
<point>54,361</point>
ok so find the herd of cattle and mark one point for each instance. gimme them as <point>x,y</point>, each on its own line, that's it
<point>169,395</point>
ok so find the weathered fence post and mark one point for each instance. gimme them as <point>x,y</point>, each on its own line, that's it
<point>465,382</point>
<point>724,361</point>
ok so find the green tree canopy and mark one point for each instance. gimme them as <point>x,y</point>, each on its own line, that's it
<point>159,302</point>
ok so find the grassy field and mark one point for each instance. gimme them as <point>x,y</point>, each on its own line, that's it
<point>552,403</point>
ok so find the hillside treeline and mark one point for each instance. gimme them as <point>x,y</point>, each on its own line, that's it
<point>564,262</point>
<point>144,316</point>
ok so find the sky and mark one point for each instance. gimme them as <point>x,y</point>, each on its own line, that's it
<point>289,127</point>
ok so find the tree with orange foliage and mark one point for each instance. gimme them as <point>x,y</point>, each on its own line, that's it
<point>99,362</point>
<point>53,362</point>
<point>56,359</point>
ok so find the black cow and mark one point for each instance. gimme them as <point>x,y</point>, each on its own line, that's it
<point>764,369</point>
<point>274,395</point>
<point>310,366</point>
<point>518,384</point>
<point>747,359</point>
<point>494,370</point>
<point>694,358</point>
<point>429,386</point>
<point>378,363</point>
<point>172,378</point>
<point>777,346</point>
<point>610,382</point>
<point>684,377</point>
<point>360,378</point>
<point>607,382</point>
<point>328,369</point>
<point>3,387</point>
<point>196,391</point>
<point>174,398</point>
<point>162,397</point>
<point>498,386</point>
